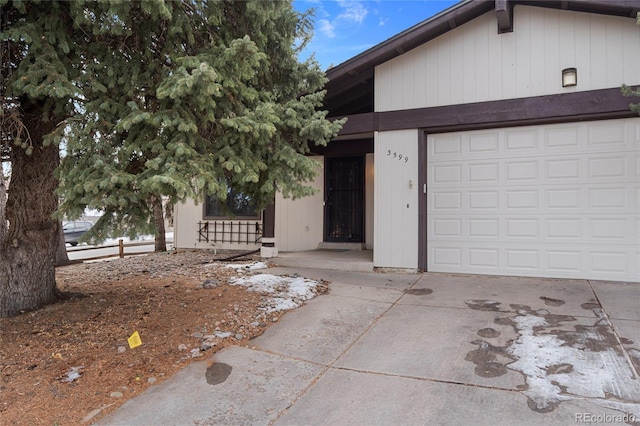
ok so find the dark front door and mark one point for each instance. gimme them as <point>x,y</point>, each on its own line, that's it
<point>344,199</point>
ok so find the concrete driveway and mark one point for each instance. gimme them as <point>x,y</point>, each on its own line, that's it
<point>437,349</point>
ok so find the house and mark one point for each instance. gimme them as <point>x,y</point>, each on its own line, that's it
<point>492,138</point>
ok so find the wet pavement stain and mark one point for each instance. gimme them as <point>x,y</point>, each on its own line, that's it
<point>217,373</point>
<point>483,305</point>
<point>551,302</point>
<point>634,354</point>
<point>487,359</point>
<point>559,369</point>
<point>590,305</point>
<point>488,333</point>
<point>419,291</point>
<point>560,361</point>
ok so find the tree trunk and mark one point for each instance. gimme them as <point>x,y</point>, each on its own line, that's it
<point>158,219</point>
<point>3,204</point>
<point>62,258</point>
<point>28,249</point>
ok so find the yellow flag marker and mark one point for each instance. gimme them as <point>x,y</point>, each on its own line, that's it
<point>134,340</point>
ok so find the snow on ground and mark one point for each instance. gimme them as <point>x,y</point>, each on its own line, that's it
<point>573,365</point>
<point>288,292</point>
<point>251,266</point>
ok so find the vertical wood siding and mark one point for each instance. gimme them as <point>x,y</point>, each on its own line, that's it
<point>473,63</point>
<point>396,195</point>
<point>299,222</point>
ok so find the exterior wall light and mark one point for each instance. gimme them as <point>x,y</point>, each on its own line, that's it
<point>569,77</point>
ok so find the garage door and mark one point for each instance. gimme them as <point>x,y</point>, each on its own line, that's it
<point>560,200</point>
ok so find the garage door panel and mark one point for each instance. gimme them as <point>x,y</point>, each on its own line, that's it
<point>608,168</point>
<point>484,258</point>
<point>521,141</point>
<point>521,172</point>
<point>609,229</point>
<point>563,138</point>
<point>486,143</point>
<point>612,262</point>
<point>564,199</point>
<point>561,261</point>
<point>564,261</point>
<point>522,199</point>
<point>522,229</point>
<point>564,229</point>
<point>559,171</point>
<point>609,198</point>
<point>593,231</point>
<point>558,201</point>
<point>623,168</point>
<point>607,135</point>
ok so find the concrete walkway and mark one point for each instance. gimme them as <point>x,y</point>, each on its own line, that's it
<point>437,349</point>
<point>341,260</point>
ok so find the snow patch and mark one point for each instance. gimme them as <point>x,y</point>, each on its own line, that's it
<point>556,371</point>
<point>251,266</point>
<point>289,292</point>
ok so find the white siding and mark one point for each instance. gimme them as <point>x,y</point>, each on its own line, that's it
<point>186,218</point>
<point>299,223</point>
<point>557,201</point>
<point>396,194</point>
<point>473,63</point>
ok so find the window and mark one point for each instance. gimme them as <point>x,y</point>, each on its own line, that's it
<point>237,205</point>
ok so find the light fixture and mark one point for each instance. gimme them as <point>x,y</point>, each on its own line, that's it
<point>569,77</point>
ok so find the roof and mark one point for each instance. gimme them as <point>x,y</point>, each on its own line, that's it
<point>350,87</point>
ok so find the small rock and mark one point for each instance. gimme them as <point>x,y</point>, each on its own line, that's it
<point>116,394</point>
<point>263,324</point>
<point>210,283</point>
<point>197,335</point>
<point>195,353</point>
<point>274,319</point>
<point>121,349</point>
<point>151,380</point>
<point>102,300</point>
<point>239,336</point>
<point>182,347</point>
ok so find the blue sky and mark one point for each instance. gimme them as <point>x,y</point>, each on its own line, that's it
<point>345,28</point>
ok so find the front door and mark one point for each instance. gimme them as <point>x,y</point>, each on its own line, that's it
<point>344,199</point>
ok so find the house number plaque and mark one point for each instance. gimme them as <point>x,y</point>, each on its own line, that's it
<point>399,157</point>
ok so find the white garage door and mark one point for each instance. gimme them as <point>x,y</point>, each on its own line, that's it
<point>560,200</point>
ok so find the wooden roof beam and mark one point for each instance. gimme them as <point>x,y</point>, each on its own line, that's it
<point>504,14</point>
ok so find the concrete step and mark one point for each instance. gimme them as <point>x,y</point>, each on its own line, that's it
<point>347,260</point>
<point>341,246</point>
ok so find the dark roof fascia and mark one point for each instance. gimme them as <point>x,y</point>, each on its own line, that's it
<point>598,104</point>
<point>457,15</point>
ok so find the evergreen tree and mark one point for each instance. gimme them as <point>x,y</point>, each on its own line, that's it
<point>628,91</point>
<point>149,101</point>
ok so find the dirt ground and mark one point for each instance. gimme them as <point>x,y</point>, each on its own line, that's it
<point>70,363</point>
